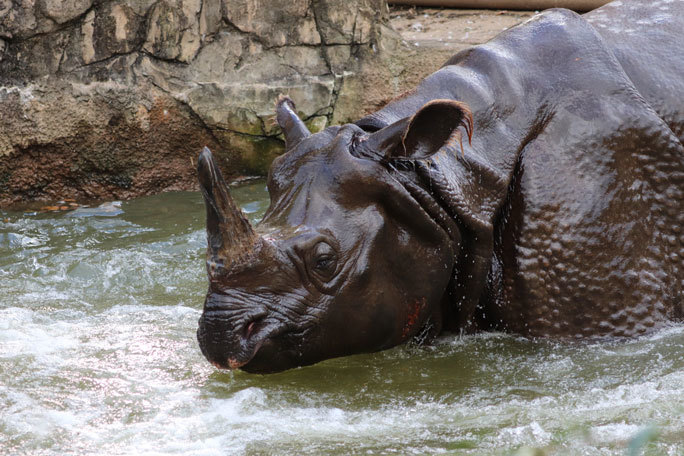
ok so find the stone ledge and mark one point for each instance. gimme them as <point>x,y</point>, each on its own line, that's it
<point>134,90</point>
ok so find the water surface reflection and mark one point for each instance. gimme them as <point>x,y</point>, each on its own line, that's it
<point>98,311</point>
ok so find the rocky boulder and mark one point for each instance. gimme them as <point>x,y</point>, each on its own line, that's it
<point>115,99</point>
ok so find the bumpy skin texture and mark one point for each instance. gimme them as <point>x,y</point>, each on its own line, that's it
<point>579,174</point>
<point>534,184</point>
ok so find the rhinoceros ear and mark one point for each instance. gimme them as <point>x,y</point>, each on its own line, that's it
<point>433,127</point>
<point>293,128</point>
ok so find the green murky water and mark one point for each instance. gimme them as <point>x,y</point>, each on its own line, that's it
<point>98,311</point>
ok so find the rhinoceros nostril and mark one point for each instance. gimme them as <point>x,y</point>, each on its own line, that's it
<point>252,327</point>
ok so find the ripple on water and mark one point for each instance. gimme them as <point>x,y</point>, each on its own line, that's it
<point>98,356</point>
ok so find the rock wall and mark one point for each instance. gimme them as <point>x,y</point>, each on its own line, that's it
<point>114,99</point>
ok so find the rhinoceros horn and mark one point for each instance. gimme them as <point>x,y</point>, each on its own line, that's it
<point>229,234</point>
<point>288,120</point>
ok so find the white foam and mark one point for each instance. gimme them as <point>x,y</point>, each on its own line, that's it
<point>529,434</point>
<point>614,433</point>
<point>98,356</point>
<point>21,333</point>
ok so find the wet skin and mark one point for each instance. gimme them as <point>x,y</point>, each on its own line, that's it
<point>534,184</point>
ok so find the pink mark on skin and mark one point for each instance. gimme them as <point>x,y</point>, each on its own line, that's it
<point>412,319</point>
<point>232,364</point>
<point>235,364</point>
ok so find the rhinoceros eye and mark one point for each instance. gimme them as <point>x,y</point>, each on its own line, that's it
<point>324,260</point>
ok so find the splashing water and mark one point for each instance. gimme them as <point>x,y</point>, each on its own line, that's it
<point>98,312</point>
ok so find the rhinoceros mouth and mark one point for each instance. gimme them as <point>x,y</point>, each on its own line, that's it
<point>235,363</point>
<point>233,349</point>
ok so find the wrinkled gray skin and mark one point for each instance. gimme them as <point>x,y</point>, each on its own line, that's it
<point>555,209</point>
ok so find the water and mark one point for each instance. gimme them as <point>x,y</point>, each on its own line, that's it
<point>98,312</point>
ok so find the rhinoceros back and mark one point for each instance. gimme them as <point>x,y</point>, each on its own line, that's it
<point>646,37</point>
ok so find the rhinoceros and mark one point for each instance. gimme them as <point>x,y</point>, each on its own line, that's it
<point>534,184</point>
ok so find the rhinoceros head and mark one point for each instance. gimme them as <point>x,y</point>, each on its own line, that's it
<point>349,257</point>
